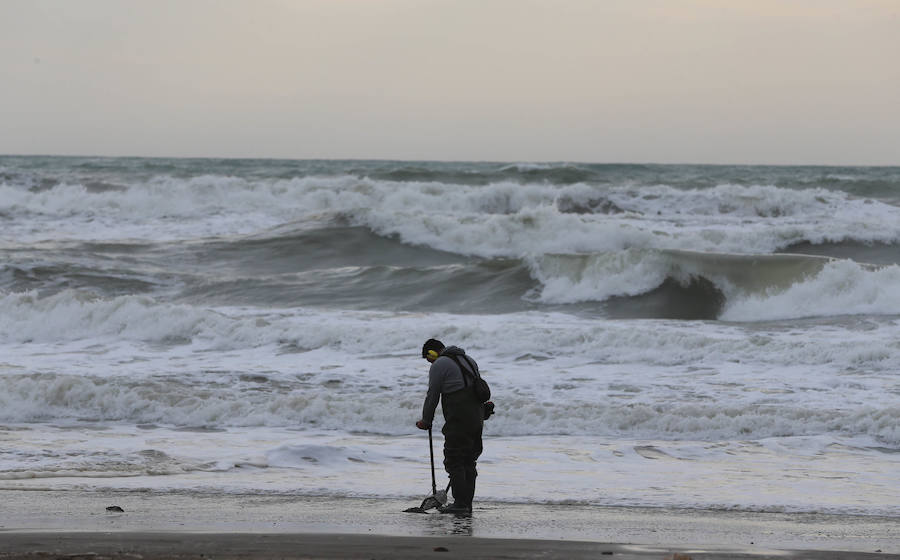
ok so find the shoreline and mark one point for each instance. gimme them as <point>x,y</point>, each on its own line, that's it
<point>74,519</point>
<point>265,546</point>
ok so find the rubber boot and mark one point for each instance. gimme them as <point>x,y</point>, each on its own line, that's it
<point>456,509</point>
<point>460,487</point>
<point>471,475</point>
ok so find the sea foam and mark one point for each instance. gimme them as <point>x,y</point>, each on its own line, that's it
<point>841,288</point>
<point>498,219</point>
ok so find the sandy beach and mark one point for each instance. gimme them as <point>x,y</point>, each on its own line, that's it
<point>98,546</point>
<point>40,524</point>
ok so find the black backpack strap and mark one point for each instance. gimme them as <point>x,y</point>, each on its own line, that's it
<point>472,367</point>
<point>471,371</point>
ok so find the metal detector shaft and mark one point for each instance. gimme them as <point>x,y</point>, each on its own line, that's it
<point>431,451</point>
<point>434,500</point>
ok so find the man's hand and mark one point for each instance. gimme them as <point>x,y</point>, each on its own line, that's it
<point>422,426</point>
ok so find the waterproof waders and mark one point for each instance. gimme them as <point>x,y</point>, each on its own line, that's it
<point>464,420</point>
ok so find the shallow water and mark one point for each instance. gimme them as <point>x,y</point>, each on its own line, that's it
<point>664,336</point>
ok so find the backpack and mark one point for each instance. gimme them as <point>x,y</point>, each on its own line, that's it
<point>480,388</point>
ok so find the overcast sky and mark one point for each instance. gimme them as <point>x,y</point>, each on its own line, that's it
<point>668,81</point>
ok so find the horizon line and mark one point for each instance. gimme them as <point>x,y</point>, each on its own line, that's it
<point>426,160</point>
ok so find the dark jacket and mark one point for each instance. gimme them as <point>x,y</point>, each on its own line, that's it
<point>444,378</point>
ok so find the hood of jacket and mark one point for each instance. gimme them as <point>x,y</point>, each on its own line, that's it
<point>453,351</point>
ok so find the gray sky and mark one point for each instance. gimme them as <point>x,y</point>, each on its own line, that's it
<point>669,81</point>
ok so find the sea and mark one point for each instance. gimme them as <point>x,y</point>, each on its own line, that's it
<point>667,336</point>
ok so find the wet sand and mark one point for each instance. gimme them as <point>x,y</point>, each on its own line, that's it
<point>73,524</point>
<point>152,546</point>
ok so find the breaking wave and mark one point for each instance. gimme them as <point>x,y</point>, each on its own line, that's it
<point>499,219</point>
<point>316,403</point>
<point>732,287</point>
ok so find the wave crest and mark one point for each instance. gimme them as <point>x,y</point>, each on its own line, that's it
<point>735,287</point>
<point>507,218</point>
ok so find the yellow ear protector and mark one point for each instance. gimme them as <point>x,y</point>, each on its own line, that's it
<point>431,354</point>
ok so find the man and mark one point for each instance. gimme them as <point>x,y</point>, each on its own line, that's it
<point>463,418</point>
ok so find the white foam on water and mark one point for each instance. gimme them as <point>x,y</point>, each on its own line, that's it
<point>500,219</point>
<point>597,277</point>
<point>754,287</point>
<point>84,320</point>
<point>841,288</point>
<point>128,359</point>
<point>816,474</point>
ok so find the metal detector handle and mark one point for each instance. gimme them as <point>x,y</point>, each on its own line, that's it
<point>431,451</point>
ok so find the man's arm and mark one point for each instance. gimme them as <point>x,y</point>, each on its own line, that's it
<point>436,376</point>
